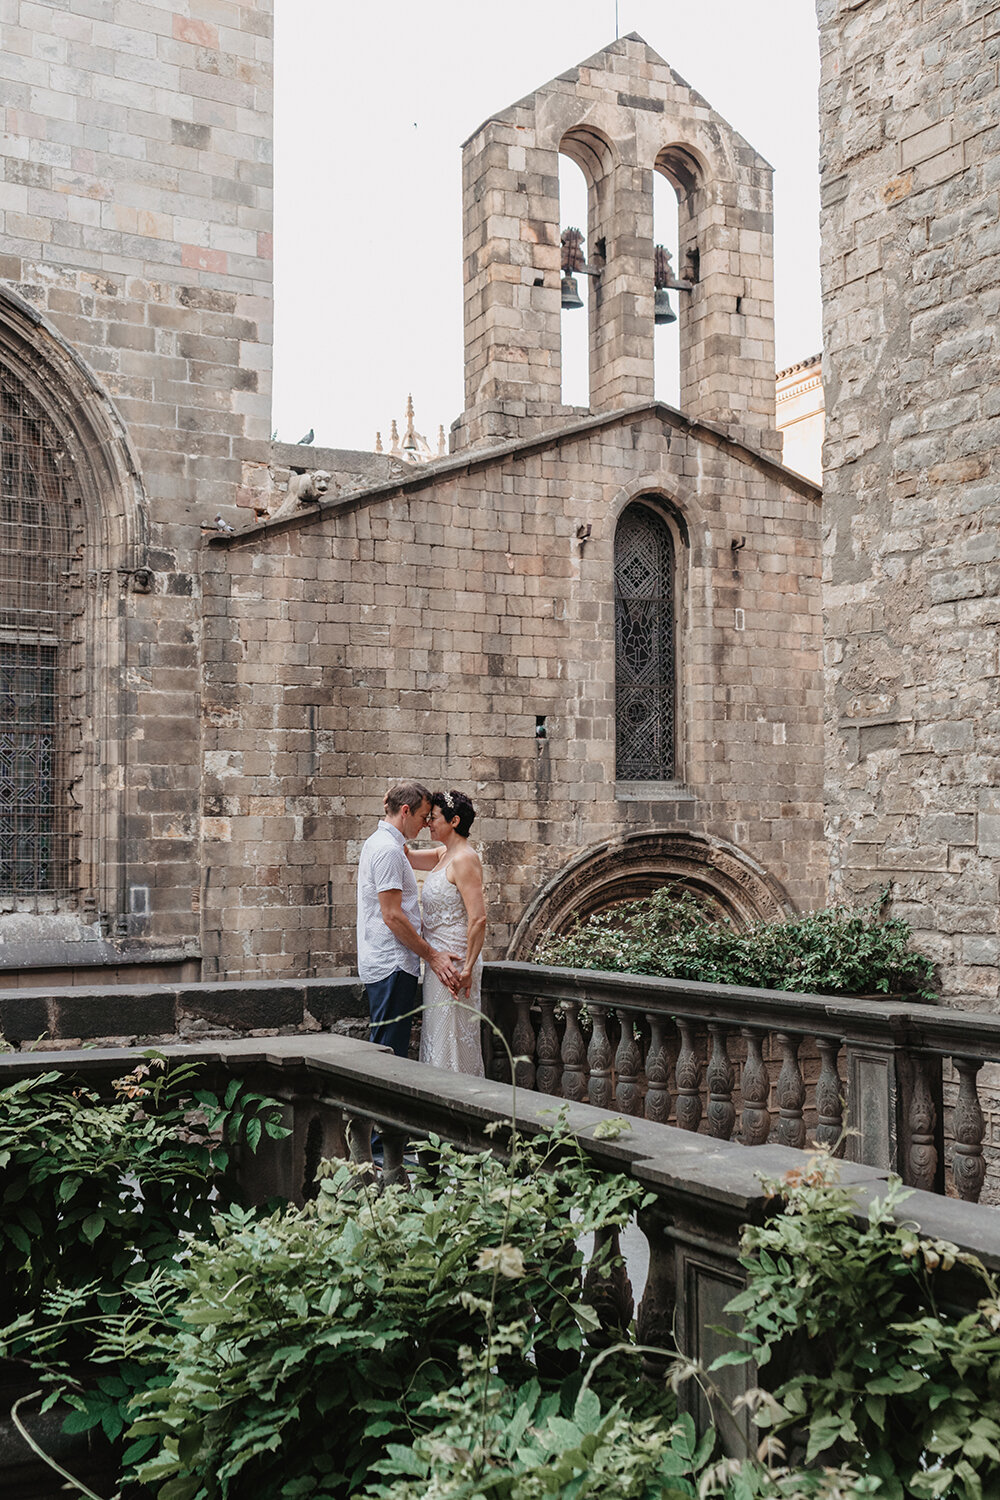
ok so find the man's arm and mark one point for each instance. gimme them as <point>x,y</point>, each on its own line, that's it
<point>399,924</point>
<point>423,859</point>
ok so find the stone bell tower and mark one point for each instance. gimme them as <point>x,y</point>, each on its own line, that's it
<point>621,115</point>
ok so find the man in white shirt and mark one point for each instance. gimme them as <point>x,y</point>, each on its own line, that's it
<point>390,944</point>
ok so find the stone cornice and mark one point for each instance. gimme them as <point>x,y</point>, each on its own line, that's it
<point>473,460</point>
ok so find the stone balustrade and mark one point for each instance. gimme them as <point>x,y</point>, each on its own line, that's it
<point>915,1087</point>
<point>890,1083</point>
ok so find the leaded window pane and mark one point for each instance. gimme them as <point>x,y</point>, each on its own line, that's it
<point>644,647</point>
<point>38,573</point>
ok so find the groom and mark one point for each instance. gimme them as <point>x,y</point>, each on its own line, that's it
<point>390,945</point>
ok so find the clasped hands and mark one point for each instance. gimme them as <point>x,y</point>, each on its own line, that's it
<point>453,978</point>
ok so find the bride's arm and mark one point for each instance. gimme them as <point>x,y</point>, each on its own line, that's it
<point>424,859</point>
<point>469,880</point>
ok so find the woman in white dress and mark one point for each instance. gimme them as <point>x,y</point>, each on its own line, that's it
<point>454,920</point>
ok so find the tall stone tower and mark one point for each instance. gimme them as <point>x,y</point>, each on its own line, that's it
<point>135,359</point>
<point>911,272</point>
<point>621,115</point>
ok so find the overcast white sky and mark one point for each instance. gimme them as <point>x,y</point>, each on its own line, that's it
<point>373,101</point>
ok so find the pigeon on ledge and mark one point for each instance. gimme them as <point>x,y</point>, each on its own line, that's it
<point>307,439</point>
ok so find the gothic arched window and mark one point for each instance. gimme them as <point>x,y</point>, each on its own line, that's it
<point>645,666</point>
<point>39,577</point>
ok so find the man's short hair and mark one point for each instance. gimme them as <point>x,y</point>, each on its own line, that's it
<point>405,794</point>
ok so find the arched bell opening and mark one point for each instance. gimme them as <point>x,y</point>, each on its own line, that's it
<point>586,169</point>
<point>668,304</point>
<point>677,188</point>
<point>574,320</point>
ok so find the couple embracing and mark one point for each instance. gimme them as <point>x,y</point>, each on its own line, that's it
<point>394,935</point>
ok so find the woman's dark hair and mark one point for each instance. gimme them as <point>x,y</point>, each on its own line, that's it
<point>456,805</point>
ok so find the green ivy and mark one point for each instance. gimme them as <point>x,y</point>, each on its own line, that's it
<point>671,934</point>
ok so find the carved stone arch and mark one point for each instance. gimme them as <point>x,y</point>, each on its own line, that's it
<point>684,168</point>
<point>75,481</point>
<point>635,865</point>
<point>679,504</point>
<point>592,150</point>
<point>96,438</point>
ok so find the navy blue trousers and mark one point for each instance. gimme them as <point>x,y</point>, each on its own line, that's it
<point>390,999</point>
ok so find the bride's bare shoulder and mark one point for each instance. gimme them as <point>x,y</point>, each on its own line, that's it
<point>466,861</point>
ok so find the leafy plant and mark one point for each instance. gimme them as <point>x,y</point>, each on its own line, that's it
<point>95,1195</point>
<point>672,934</point>
<point>876,1368</point>
<point>560,1443</point>
<point>97,1192</point>
<point>348,1316</point>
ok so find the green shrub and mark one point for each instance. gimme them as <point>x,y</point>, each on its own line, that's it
<point>95,1195</point>
<point>97,1192</point>
<point>837,951</point>
<point>534,1444</point>
<point>877,1368</point>
<point>304,1342</point>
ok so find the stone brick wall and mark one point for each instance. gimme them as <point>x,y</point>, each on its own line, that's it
<point>424,628</point>
<point>136,218</point>
<point>911,276</point>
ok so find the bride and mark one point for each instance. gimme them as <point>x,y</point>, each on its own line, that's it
<point>454,920</point>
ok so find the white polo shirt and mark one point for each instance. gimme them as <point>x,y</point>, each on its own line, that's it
<point>384,867</point>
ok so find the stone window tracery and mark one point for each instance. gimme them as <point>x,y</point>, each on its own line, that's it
<point>645,664</point>
<point>39,589</point>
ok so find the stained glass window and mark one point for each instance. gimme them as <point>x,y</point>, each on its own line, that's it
<point>37,574</point>
<point>645,668</point>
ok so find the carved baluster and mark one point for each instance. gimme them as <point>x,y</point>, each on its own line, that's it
<point>967,1165</point>
<point>627,1063</point>
<point>523,1044</point>
<point>498,1067</point>
<point>657,1072</point>
<point>922,1157</point>
<point>655,1320</point>
<point>359,1144</point>
<point>791,1091</point>
<point>549,1074</point>
<point>394,1172</point>
<point>599,1058</point>
<point>688,1076</point>
<point>574,1055</point>
<point>607,1289</point>
<point>755,1087</point>
<point>721,1109</point>
<point>829,1097</point>
<point>614,1030</point>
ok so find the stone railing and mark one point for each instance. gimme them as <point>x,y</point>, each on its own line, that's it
<point>916,1086</point>
<point>895,1085</point>
<point>702,1190</point>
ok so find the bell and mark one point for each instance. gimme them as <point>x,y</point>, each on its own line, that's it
<point>570,296</point>
<point>662,311</point>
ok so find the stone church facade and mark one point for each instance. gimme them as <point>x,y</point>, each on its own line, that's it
<point>604,623</point>
<point>476,623</point>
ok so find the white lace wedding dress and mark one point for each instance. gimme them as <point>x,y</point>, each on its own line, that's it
<point>449,1034</point>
